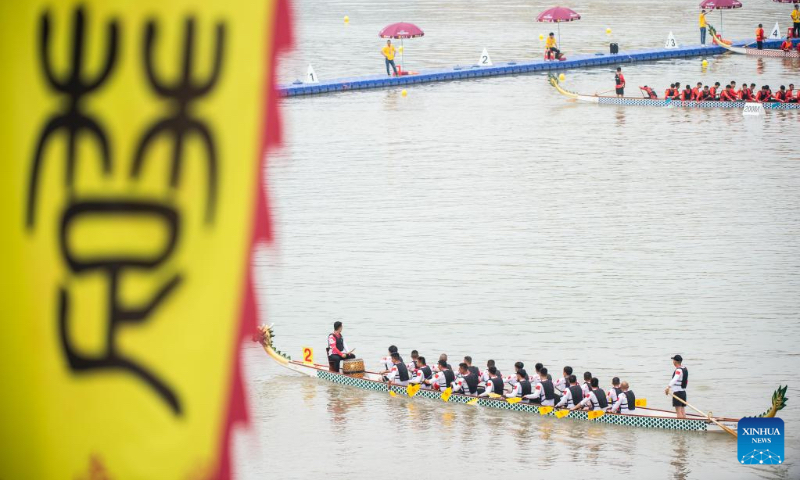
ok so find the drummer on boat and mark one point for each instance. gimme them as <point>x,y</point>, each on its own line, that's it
<point>337,349</point>
<point>680,378</point>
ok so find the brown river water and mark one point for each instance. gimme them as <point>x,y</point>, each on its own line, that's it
<point>496,219</point>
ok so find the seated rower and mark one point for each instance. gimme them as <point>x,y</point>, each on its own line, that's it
<point>473,369</point>
<point>563,382</point>
<point>494,384</point>
<point>412,365</point>
<point>596,400</point>
<point>586,386</point>
<point>442,379</point>
<point>670,93</point>
<point>787,46</point>
<point>422,373</point>
<point>686,94</point>
<point>386,362</point>
<point>780,95</point>
<point>573,394</point>
<point>626,401</point>
<point>522,387</point>
<point>696,91</point>
<point>649,92</point>
<point>337,349</point>
<point>614,391</point>
<point>791,94</point>
<point>751,93</point>
<point>398,374</point>
<point>443,357</point>
<point>728,94</point>
<point>467,382</point>
<point>764,95</point>
<point>512,379</point>
<point>484,376</point>
<point>714,91</point>
<point>544,392</point>
<point>704,95</point>
<point>536,378</point>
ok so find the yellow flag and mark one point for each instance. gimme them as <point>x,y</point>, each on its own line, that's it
<point>562,413</point>
<point>133,137</point>
<point>592,414</point>
<point>545,410</point>
<point>641,402</point>
<point>514,400</point>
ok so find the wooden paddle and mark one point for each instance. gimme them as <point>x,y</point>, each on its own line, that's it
<point>603,93</point>
<point>705,415</point>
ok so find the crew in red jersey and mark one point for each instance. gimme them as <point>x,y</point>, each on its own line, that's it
<point>791,95</point>
<point>649,92</point>
<point>696,91</point>
<point>704,95</point>
<point>728,94</point>
<point>780,95</point>
<point>764,95</point>
<point>671,92</point>
<point>714,91</point>
<point>337,349</point>
<point>686,94</point>
<point>786,46</point>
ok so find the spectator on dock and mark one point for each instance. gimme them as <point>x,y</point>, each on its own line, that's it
<point>389,52</point>
<point>551,47</point>
<point>702,26</point>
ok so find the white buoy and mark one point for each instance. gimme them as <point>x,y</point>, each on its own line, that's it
<point>311,77</point>
<point>753,109</point>
<point>671,42</point>
<point>485,60</point>
<point>776,33</point>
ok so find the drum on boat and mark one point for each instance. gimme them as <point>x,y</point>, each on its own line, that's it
<point>353,365</point>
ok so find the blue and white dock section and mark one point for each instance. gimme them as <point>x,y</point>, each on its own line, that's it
<point>509,68</point>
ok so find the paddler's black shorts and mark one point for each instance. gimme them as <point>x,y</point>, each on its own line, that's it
<point>682,396</point>
<point>621,91</point>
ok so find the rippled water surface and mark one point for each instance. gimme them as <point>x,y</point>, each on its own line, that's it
<point>496,219</point>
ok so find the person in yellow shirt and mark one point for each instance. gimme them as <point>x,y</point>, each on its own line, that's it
<point>551,46</point>
<point>388,53</point>
<point>796,21</point>
<point>702,27</point>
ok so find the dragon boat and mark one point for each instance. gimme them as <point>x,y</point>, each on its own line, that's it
<point>666,103</point>
<point>644,418</point>
<point>767,52</point>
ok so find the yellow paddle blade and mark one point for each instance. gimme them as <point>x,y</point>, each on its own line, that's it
<point>411,391</point>
<point>392,393</point>
<point>446,394</point>
<point>595,414</point>
<point>545,410</point>
<point>514,399</point>
<point>641,402</point>
<point>494,395</point>
<point>474,401</point>
<point>562,413</point>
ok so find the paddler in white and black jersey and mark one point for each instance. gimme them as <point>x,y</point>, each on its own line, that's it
<point>398,374</point>
<point>614,391</point>
<point>573,394</point>
<point>544,391</point>
<point>484,376</point>
<point>596,400</point>
<point>512,379</point>
<point>337,349</point>
<point>626,400</point>
<point>386,362</point>
<point>522,387</point>
<point>443,378</point>
<point>536,378</point>
<point>563,382</point>
<point>494,384</point>
<point>422,373</point>
<point>680,378</point>
<point>586,386</point>
<point>442,357</point>
<point>473,369</point>
<point>412,365</point>
<point>467,382</point>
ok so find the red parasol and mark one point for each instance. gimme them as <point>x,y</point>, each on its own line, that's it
<point>720,5</point>
<point>558,15</point>
<point>401,30</point>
